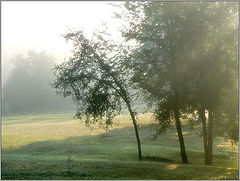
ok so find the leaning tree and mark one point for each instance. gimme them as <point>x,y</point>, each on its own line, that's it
<point>97,79</point>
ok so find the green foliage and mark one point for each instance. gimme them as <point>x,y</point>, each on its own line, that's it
<point>101,104</point>
<point>184,54</point>
<point>159,59</point>
<point>214,69</point>
<point>227,115</point>
<point>85,78</point>
<point>163,117</point>
<point>215,55</point>
<point>95,77</point>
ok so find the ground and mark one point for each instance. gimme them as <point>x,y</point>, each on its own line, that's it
<point>56,146</point>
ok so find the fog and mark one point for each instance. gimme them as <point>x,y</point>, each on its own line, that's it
<point>92,83</point>
<point>38,27</point>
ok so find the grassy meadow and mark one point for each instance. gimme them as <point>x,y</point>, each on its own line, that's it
<point>56,146</point>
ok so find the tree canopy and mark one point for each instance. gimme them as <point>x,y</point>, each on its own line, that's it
<point>97,80</point>
<point>185,56</point>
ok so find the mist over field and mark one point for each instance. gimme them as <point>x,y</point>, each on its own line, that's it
<point>120,90</point>
<point>28,88</point>
<point>24,30</point>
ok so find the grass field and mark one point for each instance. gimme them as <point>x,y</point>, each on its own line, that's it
<point>55,146</point>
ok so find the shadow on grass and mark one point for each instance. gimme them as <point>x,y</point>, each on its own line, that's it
<point>120,144</point>
<point>157,159</point>
<point>113,154</point>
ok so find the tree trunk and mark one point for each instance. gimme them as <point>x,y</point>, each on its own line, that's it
<point>210,139</point>
<point>180,137</point>
<point>205,143</point>
<point>175,83</point>
<point>122,93</point>
<point>136,130</point>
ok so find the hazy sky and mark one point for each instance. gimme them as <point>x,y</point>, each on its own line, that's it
<point>39,25</point>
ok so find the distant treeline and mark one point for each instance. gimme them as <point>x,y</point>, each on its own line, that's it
<point>28,89</point>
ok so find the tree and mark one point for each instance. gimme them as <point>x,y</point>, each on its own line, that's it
<point>228,115</point>
<point>184,56</point>
<point>28,89</point>
<point>214,67</point>
<point>97,79</point>
<point>159,59</point>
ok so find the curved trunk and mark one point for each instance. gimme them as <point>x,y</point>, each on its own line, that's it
<point>122,93</point>
<point>136,130</point>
